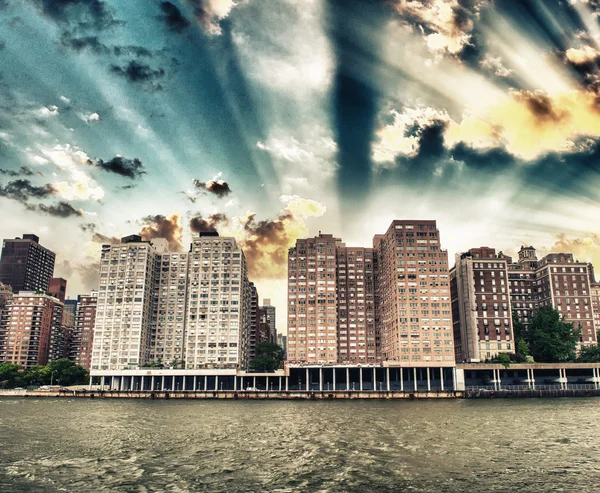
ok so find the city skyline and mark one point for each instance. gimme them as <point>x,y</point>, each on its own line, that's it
<point>272,124</point>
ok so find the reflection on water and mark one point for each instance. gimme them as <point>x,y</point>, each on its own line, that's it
<point>344,446</point>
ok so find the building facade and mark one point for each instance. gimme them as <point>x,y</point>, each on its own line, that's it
<point>271,314</point>
<point>481,310</point>
<point>33,320</point>
<point>312,301</point>
<point>57,287</point>
<point>25,265</point>
<point>80,350</point>
<point>6,296</point>
<point>126,311</point>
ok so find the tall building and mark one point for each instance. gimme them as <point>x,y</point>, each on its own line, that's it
<point>414,294</point>
<point>481,310</point>
<point>219,298</point>
<point>595,290</point>
<point>31,321</point>
<point>25,265</point>
<point>57,287</point>
<point>61,334</point>
<point>80,349</point>
<point>557,280</point>
<point>312,300</point>
<point>358,338</point>
<point>282,341</point>
<point>6,296</point>
<point>168,340</point>
<point>252,336</point>
<point>271,318</point>
<point>189,310</point>
<point>126,311</point>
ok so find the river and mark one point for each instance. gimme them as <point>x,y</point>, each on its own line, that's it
<point>521,445</point>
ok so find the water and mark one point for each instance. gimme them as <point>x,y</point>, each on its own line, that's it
<point>271,446</point>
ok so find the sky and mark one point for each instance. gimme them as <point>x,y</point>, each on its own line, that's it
<point>272,120</point>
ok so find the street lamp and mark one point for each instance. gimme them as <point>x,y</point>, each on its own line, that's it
<point>52,377</point>
<point>221,386</point>
<point>299,384</point>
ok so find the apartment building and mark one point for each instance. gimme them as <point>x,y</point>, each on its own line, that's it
<point>33,320</point>
<point>219,304</point>
<point>481,310</point>
<point>414,295</point>
<point>126,306</point>
<point>25,265</point>
<point>271,313</point>
<point>557,280</point>
<point>312,300</point>
<point>6,296</point>
<point>80,350</point>
<point>357,335</point>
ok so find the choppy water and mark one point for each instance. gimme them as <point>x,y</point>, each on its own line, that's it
<point>259,446</point>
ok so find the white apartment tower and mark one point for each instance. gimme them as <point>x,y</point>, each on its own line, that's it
<point>218,311</point>
<point>125,316</point>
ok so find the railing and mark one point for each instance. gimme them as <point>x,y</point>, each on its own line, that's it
<point>528,387</point>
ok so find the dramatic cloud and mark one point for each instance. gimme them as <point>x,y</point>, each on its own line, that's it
<point>200,225</point>
<point>585,54</point>
<point>216,186</point>
<point>72,160</point>
<point>164,227</point>
<point>84,13</point>
<point>62,209</point>
<point>105,240</point>
<point>209,13</point>
<point>266,243</point>
<point>89,117</point>
<point>23,190</point>
<point>173,18</point>
<point>129,168</point>
<point>139,73</point>
<point>446,25</point>
<point>22,171</point>
<point>47,111</point>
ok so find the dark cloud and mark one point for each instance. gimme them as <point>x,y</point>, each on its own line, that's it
<point>355,29</point>
<point>219,188</point>
<point>160,226</point>
<point>200,225</point>
<point>87,227</point>
<point>105,240</point>
<point>22,171</point>
<point>540,105</point>
<point>129,168</point>
<point>139,73</point>
<point>84,43</point>
<point>173,18</point>
<point>2,45</point>
<point>22,190</point>
<point>62,209</point>
<point>84,13</point>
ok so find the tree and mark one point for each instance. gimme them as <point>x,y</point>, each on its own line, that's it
<point>268,357</point>
<point>10,375</point>
<point>589,354</point>
<point>550,338</point>
<point>67,373</point>
<point>502,358</point>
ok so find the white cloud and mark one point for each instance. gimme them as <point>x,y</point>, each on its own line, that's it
<point>495,65</point>
<point>65,100</point>
<point>47,111</point>
<point>89,117</point>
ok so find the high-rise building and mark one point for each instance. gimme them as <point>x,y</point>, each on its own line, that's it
<point>57,287</point>
<point>31,321</point>
<point>414,295</point>
<point>271,318</point>
<point>188,310</point>
<point>595,290</point>
<point>61,335</point>
<point>252,336</point>
<point>358,338</point>
<point>219,298</point>
<point>168,339</point>
<point>126,311</point>
<point>557,280</point>
<point>481,310</point>
<point>282,341</point>
<point>6,296</point>
<point>80,349</point>
<point>312,300</point>
<point>25,265</point>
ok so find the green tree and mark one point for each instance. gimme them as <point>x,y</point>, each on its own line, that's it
<point>589,354</point>
<point>10,375</point>
<point>502,358</point>
<point>36,376</point>
<point>550,338</point>
<point>67,373</point>
<point>268,357</point>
